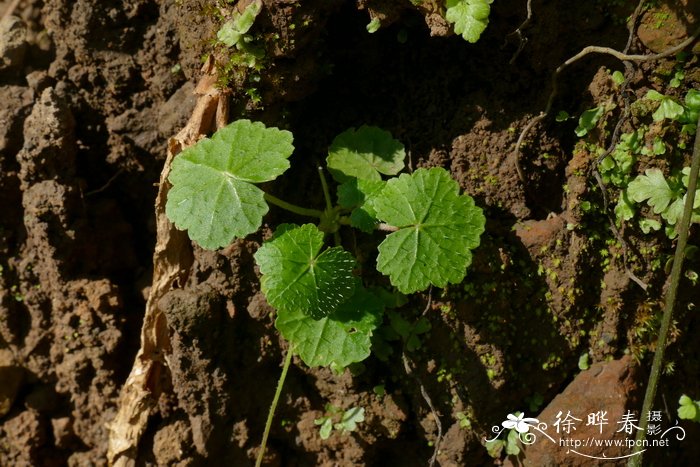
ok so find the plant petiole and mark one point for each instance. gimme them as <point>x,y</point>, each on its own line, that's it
<point>326,192</point>
<point>292,207</point>
<point>273,406</point>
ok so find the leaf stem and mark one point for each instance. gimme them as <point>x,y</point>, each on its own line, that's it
<point>326,192</point>
<point>292,207</point>
<point>684,226</point>
<point>273,406</point>
<point>329,203</point>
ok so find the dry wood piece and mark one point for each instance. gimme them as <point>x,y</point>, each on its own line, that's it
<point>172,260</point>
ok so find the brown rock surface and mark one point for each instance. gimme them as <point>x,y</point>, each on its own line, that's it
<point>610,387</point>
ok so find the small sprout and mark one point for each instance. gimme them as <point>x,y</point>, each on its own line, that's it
<point>379,390</point>
<point>232,33</point>
<point>470,17</point>
<point>689,409</point>
<point>583,363</point>
<point>588,120</point>
<point>374,25</point>
<point>562,116</point>
<point>618,78</point>
<point>463,420</point>
<point>668,108</point>
<point>348,420</point>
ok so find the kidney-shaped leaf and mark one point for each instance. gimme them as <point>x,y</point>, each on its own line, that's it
<point>357,194</point>
<point>437,228</point>
<point>365,153</point>
<point>297,276</point>
<point>212,196</point>
<point>470,17</point>
<point>343,337</point>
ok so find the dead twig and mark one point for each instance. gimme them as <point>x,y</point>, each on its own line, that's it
<point>587,51</point>
<point>522,40</point>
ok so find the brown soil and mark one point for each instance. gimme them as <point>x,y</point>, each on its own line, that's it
<point>92,90</point>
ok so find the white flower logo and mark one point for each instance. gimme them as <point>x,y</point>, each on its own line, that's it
<point>519,422</point>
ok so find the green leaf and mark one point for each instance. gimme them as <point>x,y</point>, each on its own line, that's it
<point>562,116</point>
<point>618,78</point>
<point>668,108</point>
<point>374,25</point>
<point>688,409</point>
<point>358,195</point>
<point>470,17</point>
<point>437,228</point>
<point>588,120</point>
<point>654,95</point>
<point>365,153</point>
<point>674,212</point>
<point>342,338</point>
<point>647,225</point>
<point>583,362</point>
<point>692,99</point>
<point>512,448</point>
<point>653,188</point>
<point>408,331</point>
<point>659,147</point>
<point>212,196</point>
<point>231,32</point>
<point>624,210</point>
<point>326,427</point>
<point>298,277</point>
<point>351,418</point>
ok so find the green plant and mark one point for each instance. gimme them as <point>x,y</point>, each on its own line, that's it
<point>463,420</point>
<point>685,112</point>
<point>347,420</point>
<point>323,309</point>
<point>665,196</point>
<point>511,444</point>
<point>234,33</point>
<point>688,409</point>
<point>470,17</point>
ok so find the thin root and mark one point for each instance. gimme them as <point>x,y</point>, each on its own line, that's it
<point>586,51</point>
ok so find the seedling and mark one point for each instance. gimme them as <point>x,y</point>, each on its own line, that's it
<point>665,196</point>
<point>688,409</point>
<point>323,309</point>
<point>511,445</point>
<point>348,420</point>
<point>470,17</point>
<point>234,33</point>
<point>588,120</point>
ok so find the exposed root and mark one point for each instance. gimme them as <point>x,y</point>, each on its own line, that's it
<point>586,51</point>
<point>518,33</point>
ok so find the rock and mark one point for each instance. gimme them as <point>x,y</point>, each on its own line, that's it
<point>13,44</point>
<point>668,25</point>
<point>610,387</point>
